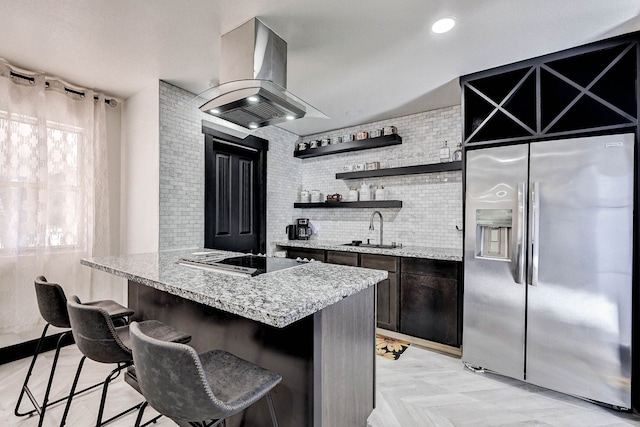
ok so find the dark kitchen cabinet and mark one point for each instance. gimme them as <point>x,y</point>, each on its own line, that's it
<point>387,292</point>
<point>317,254</point>
<point>430,300</point>
<point>421,297</point>
<point>342,258</point>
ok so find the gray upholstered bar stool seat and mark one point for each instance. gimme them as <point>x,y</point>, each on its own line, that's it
<point>197,389</point>
<point>52,303</point>
<point>100,340</point>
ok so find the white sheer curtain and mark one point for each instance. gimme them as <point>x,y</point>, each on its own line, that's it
<point>54,204</point>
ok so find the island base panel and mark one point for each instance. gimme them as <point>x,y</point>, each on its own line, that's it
<point>341,338</point>
<point>344,361</point>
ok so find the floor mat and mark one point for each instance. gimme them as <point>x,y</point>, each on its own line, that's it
<point>390,348</point>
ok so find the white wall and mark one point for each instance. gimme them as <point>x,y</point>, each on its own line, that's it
<point>114,153</point>
<point>140,172</point>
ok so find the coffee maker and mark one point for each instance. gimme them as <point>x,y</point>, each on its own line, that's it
<point>304,228</point>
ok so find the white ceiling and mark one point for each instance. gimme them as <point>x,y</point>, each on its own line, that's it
<point>376,56</point>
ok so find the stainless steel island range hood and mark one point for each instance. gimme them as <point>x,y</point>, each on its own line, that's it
<point>253,73</point>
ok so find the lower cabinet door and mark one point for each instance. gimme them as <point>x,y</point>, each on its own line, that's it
<point>387,303</point>
<point>429,308</point>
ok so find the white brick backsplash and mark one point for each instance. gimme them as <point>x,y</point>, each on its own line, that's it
<point>432,203</point>
<point>181,171</point>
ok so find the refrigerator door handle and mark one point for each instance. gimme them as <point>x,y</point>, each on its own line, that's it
<point>520,244</point>
<point>535,234</point>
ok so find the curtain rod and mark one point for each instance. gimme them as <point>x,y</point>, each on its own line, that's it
<point>32,80</point>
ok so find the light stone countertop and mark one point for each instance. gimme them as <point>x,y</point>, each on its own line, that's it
<point>445,254</point>
<point>278,298</point>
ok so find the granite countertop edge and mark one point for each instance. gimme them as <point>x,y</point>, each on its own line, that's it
<point>277,299</point>
<point>445,254</point>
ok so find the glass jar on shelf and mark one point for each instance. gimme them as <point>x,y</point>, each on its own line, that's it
<point>353,194</point>
<point>445,153</point>
<point>457,155</point>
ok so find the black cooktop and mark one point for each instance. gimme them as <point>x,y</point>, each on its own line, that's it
<point>261,264</point>
<point>246,265</point>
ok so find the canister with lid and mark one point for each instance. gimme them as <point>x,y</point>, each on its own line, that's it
<point>353,194</point>
<point>365,192</point>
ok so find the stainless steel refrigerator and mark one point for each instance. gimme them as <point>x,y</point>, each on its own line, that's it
<point>548,264</point>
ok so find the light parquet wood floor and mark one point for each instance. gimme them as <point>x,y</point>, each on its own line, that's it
<point>421,389</point>
<point>425,388</point>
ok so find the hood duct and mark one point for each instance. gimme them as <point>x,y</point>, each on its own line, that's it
<point>253,73</point>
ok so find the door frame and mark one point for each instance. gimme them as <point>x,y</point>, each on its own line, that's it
<point>215,138</point>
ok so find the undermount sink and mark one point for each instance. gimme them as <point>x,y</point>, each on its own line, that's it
<point>368,245</point>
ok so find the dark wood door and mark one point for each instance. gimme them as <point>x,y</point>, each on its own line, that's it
<point>234,197</point>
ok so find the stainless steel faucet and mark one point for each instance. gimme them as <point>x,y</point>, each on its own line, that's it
<point>371,224</point>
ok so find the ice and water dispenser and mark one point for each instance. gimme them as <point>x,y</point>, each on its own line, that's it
<point>493,233</point>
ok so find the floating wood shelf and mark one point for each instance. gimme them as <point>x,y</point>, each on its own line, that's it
<point>343,147</point>
<point>369,204</point>
<point>406,170</point>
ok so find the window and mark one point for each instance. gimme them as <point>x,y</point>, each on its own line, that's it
<point>37,171</point>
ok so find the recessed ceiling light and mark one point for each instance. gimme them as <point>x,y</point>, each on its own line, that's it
<point>290,117</point>
<point>253,126</point>
<point>253,99</point>
<point>214,111</point>
<point>443,25</point>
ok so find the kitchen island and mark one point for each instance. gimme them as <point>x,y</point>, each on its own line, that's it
<point>313,323</point>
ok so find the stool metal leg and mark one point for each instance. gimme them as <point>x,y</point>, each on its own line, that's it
<point>141,412</point>
<point>72,393</point>
<point>272,410</point>
<point>41,408</point>
<point>110,377</point>
<point>25,386</point>
<point>45,400</point>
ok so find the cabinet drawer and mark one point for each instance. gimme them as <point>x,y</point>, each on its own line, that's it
<point>431,267</point>
<point>380,262</point>
<point>343,258</point>
<point>317,254</point>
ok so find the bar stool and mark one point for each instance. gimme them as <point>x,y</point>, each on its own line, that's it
<point>198,389</point>
<point>99,340</point>
<point>52,304</point>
